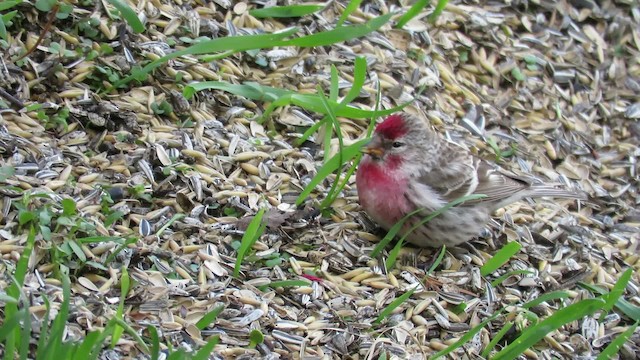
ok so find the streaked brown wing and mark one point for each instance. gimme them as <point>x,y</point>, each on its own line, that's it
<point>460,174</point>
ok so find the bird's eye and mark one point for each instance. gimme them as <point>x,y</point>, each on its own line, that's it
<point>397,144</point>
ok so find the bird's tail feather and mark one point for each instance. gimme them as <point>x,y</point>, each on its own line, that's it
<point>545,190</point>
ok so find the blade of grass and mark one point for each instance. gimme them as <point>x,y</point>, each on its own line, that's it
<point>614,347</point>
<point>279,97</point>
<point>393,255</point>
<point>554,295</point>
<point>26,335</point>
<point>155,342</point>
<point>340,34</point>
<point>44,330</point>
<point>398,225</point>
<point>351,7</point>
<point>173,219</point>
<point>205,351</point>
<point>333,194</point>
<point>129,15</point>
<point>248,42</point>
<point>58,325</point>
<point>359,77</point>
<point>15,291</point>
<point>102,338</point>
<point>618,289</point>
<point>413,11</point>
<point>10,325</point>
<point>285,11</point>
<point>623,305</point>
<point>132,332</point>
<point>329,167</point>
<point>438,10</point>
<point>435,264</point>
<point>393,305</point>
<point>333,92</point>
<point>466,337</point>
<point>235,43</point>
<point>124,290</point>
<point>8,4</point>
<point>392,233</point>
<point>438,212</point>
<point>500,258</point>
<point>254,230</point>
<point>496,339</point>
<point>531,335</point>
<point>209,317</point>
<point>504,276</point>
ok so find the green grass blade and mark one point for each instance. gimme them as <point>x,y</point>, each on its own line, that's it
<point>340,34</point>
<point>25,331</point>
<point>359,77</point>
<point>438,10</point>
<point>8,4</point>
<point>496,339</point>
<point>254,230</point>
<point>44,330</point>
<point>286,11</point>
<point>173,219</point>
<point>124,290</point>
<point>333,92</point>
<point>554,295</point>
<point>500,258</point>
<point>413,11</point>
<point>132,332</point>
<point>504,276</point>
<point>618,289</point>
<point>205,351</point>
<point>102,338</point>
<point>329,167</point>
<point>614,347</point>
<point>335,125</point>
<point>351,7</point>
<point>129,15</point>
<point>393,305</point>
<point>261,41</point>
<point>531,335</point>
<point>89,342</point>
<point>209,317</point>
<point>392,233</point>
<point>435,264</point>
<point>393,255</point>
<point>155,342</point>
<point>398,225</point>
<point>10,325</point>
<point>58,325</point>
<point>623,305</point>
<point>466,337</point>
<point>235,43</point>
<point>3,29</point>
<point>279,97</point>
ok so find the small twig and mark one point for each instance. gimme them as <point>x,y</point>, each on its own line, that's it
<point>12,99</point>
<point>45,30</point>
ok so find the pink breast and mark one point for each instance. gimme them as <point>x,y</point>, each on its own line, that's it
<point>381,192</point>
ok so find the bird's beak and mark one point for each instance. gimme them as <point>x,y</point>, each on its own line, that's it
<point>372,149</point>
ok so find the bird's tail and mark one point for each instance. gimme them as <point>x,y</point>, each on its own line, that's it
<point>546,190</point>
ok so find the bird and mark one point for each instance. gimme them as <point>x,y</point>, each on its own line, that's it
<point>409,167</point>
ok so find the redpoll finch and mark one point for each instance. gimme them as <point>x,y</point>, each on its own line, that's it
<point>408,166</point>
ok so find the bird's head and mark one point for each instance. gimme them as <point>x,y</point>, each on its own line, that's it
<point>399,138</point>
